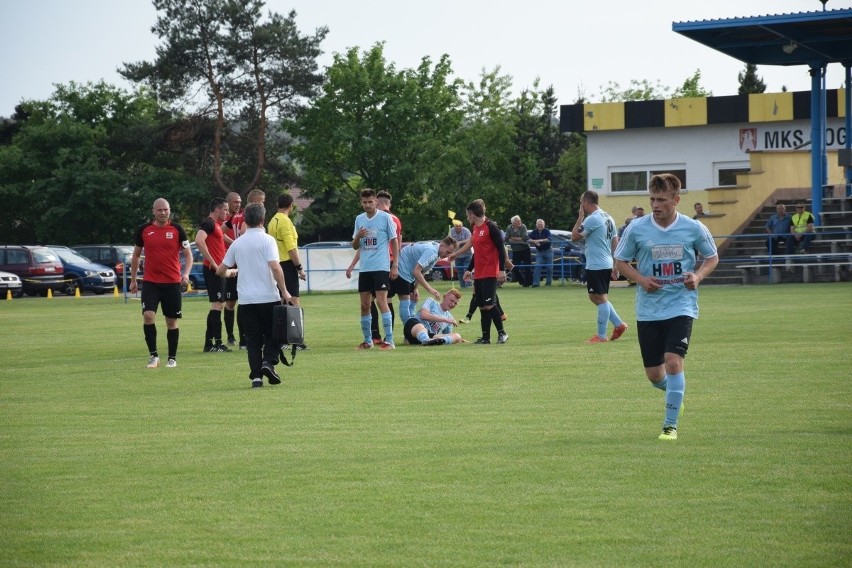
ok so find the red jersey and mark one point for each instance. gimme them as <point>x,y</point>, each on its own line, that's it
<point>234,226</point>
<point>215,240</point>
<point>162,249</point>
<point>489,255</point>
<point>398,224</point>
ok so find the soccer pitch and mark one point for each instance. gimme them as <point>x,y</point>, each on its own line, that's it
<point>540,452</point>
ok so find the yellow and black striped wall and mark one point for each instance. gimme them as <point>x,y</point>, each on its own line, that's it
<point>695,111</point>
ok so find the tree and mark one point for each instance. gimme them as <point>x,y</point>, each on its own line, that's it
<point>223,59</point>
<point>91,152</point>
<point>692,88</point>
<point>749,81</point>
<point>376,126</point>
<point>645,90</point>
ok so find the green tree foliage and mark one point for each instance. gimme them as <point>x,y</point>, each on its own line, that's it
<point>225,59</point>
<point>86,165</point>
<point>376,126</point>
<point>645,90</point>
<point>750,82</point>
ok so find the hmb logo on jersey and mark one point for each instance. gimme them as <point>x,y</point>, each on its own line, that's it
<point>667,269</point>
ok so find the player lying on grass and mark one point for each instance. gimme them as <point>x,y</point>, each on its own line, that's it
<point>433,324</point>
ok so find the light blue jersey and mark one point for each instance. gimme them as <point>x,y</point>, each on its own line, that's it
<point>375,255</point>
<point>598,230</point>
<point>666,254</point>
<point>424,254</point>
<point>435,327</point>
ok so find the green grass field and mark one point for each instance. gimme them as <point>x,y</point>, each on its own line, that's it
<point>540,452</point>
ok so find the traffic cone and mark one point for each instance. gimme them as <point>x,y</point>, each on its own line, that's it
<point>189,286</point>
<point>8,295</point>
<point>49,293</point>
<point>115,291</point>
<point>76,291</point>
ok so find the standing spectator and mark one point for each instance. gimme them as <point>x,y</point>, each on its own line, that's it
<point>211,244</point>
<point>803,229</point>
<point>162,241</point>
<point>640,212</point>
<point>624,226</point>
<point>516,237</point>
<point>489,264</point>
<point>540,238</point>
<point>778,227</point>
<point>282,229</point>
<point>231,230</point>
<point>415,261</point>
<point>461,234</point>
<point>374,231</point>
<point>261,288</point>
<point>597,228</point>
<point>433,324</point>
<point>699,211</point>
<point>665,246</point>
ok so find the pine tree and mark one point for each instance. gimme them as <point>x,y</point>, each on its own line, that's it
<point>749,81</point>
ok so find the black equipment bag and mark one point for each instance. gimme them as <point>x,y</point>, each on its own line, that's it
<point>288,328</point>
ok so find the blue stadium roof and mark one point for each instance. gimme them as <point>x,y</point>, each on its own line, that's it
<point>804,38</point>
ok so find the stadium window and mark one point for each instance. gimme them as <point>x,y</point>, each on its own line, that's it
<point>728,176</point>
<point>637,180</point>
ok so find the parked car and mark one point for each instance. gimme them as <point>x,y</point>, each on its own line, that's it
<point>38,267</point>
<point>10,283</point>
<point>113,256</point>
<point>82,273</point>
<point>196,275</point>
<point>568,257</point>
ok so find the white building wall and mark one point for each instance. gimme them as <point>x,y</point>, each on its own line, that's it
<point>700,150</point>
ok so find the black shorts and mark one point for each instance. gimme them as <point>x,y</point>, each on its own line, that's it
<point>485,290</point>
<point>378,281</point>
<point>409,335</point>
<point>656,338</point>
<point>215,285</point>
<point>169,295</point>
<point>231,289</point>
<point>597,281</point>
<point>291,277</point>
<point>400,287</point>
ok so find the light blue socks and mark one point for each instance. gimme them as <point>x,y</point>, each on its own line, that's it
<point>405,309</point>
<point>674,397</point>
<point>365,328</point>
<point>387,324</point>
<point>613,316</point>
<point>603,318</point>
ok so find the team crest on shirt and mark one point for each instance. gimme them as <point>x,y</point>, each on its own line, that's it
<point>170,235</point>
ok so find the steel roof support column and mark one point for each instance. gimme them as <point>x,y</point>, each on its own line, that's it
<point>816,143</point>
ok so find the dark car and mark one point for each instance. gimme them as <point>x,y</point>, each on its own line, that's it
<point>116,257</point>
<point>196,275</point>
<point>568,257</point>
<point>38,267</point>
<point>82,273</point>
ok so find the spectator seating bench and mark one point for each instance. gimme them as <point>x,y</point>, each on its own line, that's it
<point>840,262</point>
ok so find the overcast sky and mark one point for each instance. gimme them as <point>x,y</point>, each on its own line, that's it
<point>576,46</point>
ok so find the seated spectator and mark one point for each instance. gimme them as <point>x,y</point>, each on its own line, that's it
<point>433,324</point>
<point>778,227</point>
<point>803,229</point>
<point>699,211</point>
<point>640,212</point>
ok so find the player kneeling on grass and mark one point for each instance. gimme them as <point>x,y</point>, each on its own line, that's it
<point>433,324</point>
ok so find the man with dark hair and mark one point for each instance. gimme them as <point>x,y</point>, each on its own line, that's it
<point>162,241</point>
<point>665,246</point>
<point>231,230</point>
<point>597,228</point>
<point>261,288</point>
<point>282,229</point>
<point>211,244</point>
<point>415,261</point>
<point>374,231</point>
<point>489,268</point>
